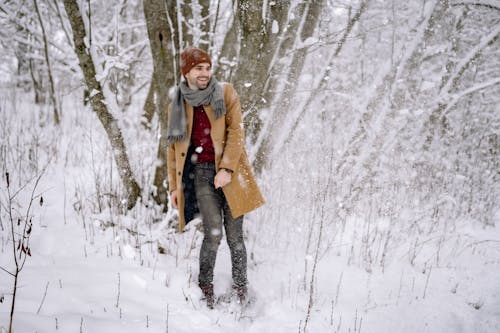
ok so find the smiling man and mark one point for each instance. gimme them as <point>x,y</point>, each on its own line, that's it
<point>208,168</point>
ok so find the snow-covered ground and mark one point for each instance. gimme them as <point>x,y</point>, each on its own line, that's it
<point>102,272</point>
<point>101,283</point>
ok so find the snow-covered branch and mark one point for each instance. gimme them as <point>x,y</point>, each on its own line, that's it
<point>485,3</point>
<point>464,63</point>
<point>457,96</point>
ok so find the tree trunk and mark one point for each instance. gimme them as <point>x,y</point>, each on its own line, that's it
<point>186,13</point>
<point>287,42</point>
<point>62,22</point>
<point>175,39</point>
<point>161,38</point>
<point>98,103</point>
<point>205,34</point>
<point>229,52</point>
<point>14,295</point>
<point>350,25</point>
<point>258,44</point>
<point>312,11</point>
<point>37,83</point>
<point>47,61</point>
<point>148,110</point>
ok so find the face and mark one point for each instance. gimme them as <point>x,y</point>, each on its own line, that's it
<point>199,76</point>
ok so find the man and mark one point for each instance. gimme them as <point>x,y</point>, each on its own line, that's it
<point>208,168</point>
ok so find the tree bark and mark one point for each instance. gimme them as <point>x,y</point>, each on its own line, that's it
<point>97,101</point>
<point>186,11</point>
<point>205,25</point>
<point>258,44</point>
<point>62,22</point>
<point>229,52</point>
<point>162,38</point>
<point>37,83</point>
<point>312,11</point>
<point>350,25</point>
<point>148,110</point>
<point>47,61</point>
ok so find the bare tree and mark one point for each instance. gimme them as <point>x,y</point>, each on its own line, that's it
<point>20,36</point>
<point>185,9</point>
<point>21,226</point>
<point>99,106</point>
<point>205,33</point>
<point>227,58</point>
<point>257,45</point>
<point>53,99</point>
<point>162,36</point>
<point>149,109</point>
<point>299,27</point>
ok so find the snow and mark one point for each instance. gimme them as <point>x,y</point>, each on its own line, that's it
<point>275,27</point>
<point>93,287</point>
<point>484,42</point>
<point>363,229</point>
<point>491,3</point>
<point>93,93</point>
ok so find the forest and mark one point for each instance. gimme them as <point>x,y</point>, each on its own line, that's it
<point>372,127</point>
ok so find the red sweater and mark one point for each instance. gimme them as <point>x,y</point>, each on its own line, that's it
<point>200,137</point>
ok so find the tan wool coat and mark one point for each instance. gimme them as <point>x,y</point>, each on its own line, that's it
<point>227,133</point>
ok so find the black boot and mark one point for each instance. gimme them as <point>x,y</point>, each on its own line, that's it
<point>208,293</point>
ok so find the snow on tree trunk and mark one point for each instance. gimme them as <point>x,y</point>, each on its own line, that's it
<point>257,46</point>
<point>161,37</point>
<point>205,33</point>
<point>299,28</point>
<point>53,100</point>
<point>148,110</point>
<point>98,103</point>
<point>229,52</point>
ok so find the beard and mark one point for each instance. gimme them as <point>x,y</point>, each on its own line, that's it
<point>198,83</point>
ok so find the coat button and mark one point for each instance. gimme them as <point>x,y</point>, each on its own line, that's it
<point>179,173</point>
<point>183,154</point>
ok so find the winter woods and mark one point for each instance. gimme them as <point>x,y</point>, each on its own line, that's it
<point>371,123</point>
<point>364,67</point>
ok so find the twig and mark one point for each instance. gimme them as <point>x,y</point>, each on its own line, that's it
<point>331,313</point>
<point>338,288</point>
<point>6,271</point>
<point>427,281</point>
<point>168,313</point>
<point>118,296</point>
<point>43,298</point>
<point>322,217</point>
<point>23,238</point>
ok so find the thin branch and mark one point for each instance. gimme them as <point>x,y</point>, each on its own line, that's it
<point>43,298</point>
<point>32,198</point>
<point>13,234</point>
<point>6,271</point>
<point>492,4</point>
<point>326,73</point>
<point>64,28</point>
<point>13,196</point>
<point>458,96</point>
<point>47,62</point>
<point>469,58</point>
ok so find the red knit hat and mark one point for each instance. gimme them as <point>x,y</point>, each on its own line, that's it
<point>192,56</point>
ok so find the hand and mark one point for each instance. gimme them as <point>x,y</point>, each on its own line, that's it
<point>222,178</point>
<point>173,199</point>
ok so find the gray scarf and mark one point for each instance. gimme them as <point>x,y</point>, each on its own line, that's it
<point>213,94</point>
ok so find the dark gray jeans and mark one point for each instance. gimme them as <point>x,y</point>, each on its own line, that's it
<point>215,213</point>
